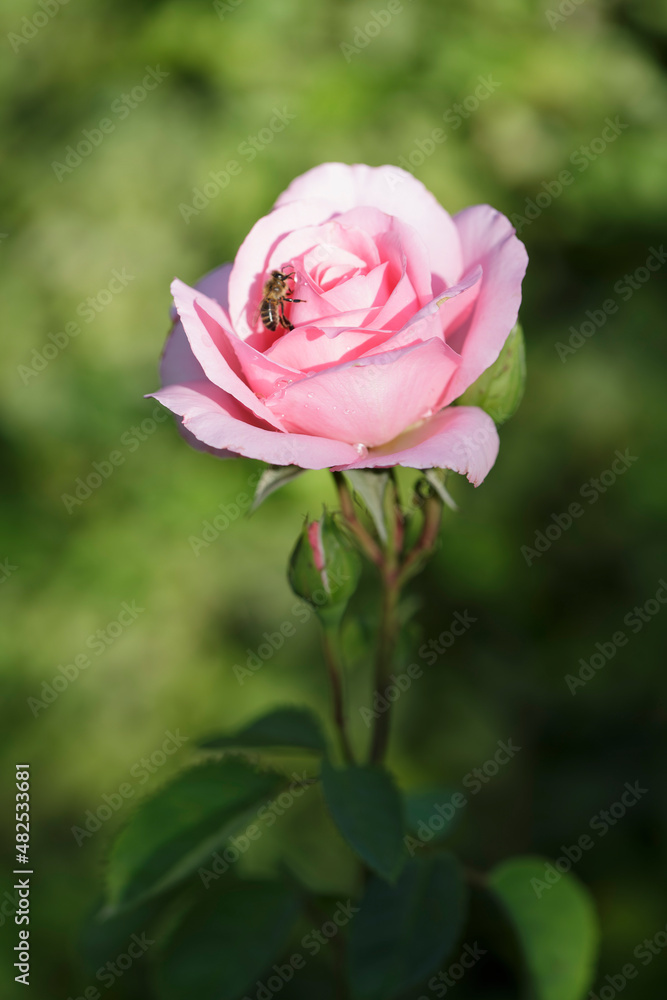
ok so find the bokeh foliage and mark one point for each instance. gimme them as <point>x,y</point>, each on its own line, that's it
<point>172,669</point>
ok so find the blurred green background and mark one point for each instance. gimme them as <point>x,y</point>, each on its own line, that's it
<point>67,572</point>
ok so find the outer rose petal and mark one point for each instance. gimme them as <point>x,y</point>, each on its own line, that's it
<point>178,363</point>
<point>221,424</point>
<point>488,239</point>
<point>205,324</point>
<point>256,254</point>
<point>461,438</point>
<point>395,192</point>
<point>370,400</point>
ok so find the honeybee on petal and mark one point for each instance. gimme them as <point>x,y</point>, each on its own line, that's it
<point>275,294</point>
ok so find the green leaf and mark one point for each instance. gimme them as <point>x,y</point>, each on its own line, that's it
<point>404,933</point>
<point>371,486</point>
<point>272,479</point>
<point>436,478</point>
<point>556,925</point>
<point>430,815</point>
<point>289,727</point>
<point>367,809</point>
<point>226,943</point>
<point>499,389</point>
<point>171,833</point>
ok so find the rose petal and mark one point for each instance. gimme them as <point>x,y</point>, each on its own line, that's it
<point>488,239</point>
<point>257,255</point>
<point>370,400</point>
<point>461,438</point>
<point>206,325</point>
<point>395,192</point>
<point>178,363</point>
<point>219,422</point>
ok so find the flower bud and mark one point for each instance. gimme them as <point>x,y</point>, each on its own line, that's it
<point>324,568</point>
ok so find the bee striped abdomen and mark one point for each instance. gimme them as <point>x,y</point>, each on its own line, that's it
<point>269,314</point>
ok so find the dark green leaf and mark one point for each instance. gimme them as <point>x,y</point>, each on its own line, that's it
<point>430,815</point>
<point>371,486</point>
<point>272,479</point>
<point>284,727</point>
<point>556,925</point>
<point>226,944</point>
<point>499,389</point>
<point>172,832</point>
<point>404,933</point>
<point>367,809</point>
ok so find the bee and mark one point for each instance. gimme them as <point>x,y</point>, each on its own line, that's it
<point>274,296</point>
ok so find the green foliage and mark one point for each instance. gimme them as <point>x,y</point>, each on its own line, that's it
<point>271,480</point>
<point>404,932</point>
<point>226,942</point>
<point>179,826</point>
<point>421,810</point>
<point>367,809</point>
<point>371,486</point>
<point>289,727</point>
<point>499,389</point>
<point>556,925</point>
<point>130,538</point>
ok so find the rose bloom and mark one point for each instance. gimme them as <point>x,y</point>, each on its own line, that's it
<point>402,307</point>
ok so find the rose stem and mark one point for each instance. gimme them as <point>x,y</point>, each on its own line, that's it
<point>331,643</point>
<point>388,630</point>
<point>368,544</point>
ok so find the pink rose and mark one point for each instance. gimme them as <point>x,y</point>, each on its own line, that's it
<point>401,308</point>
